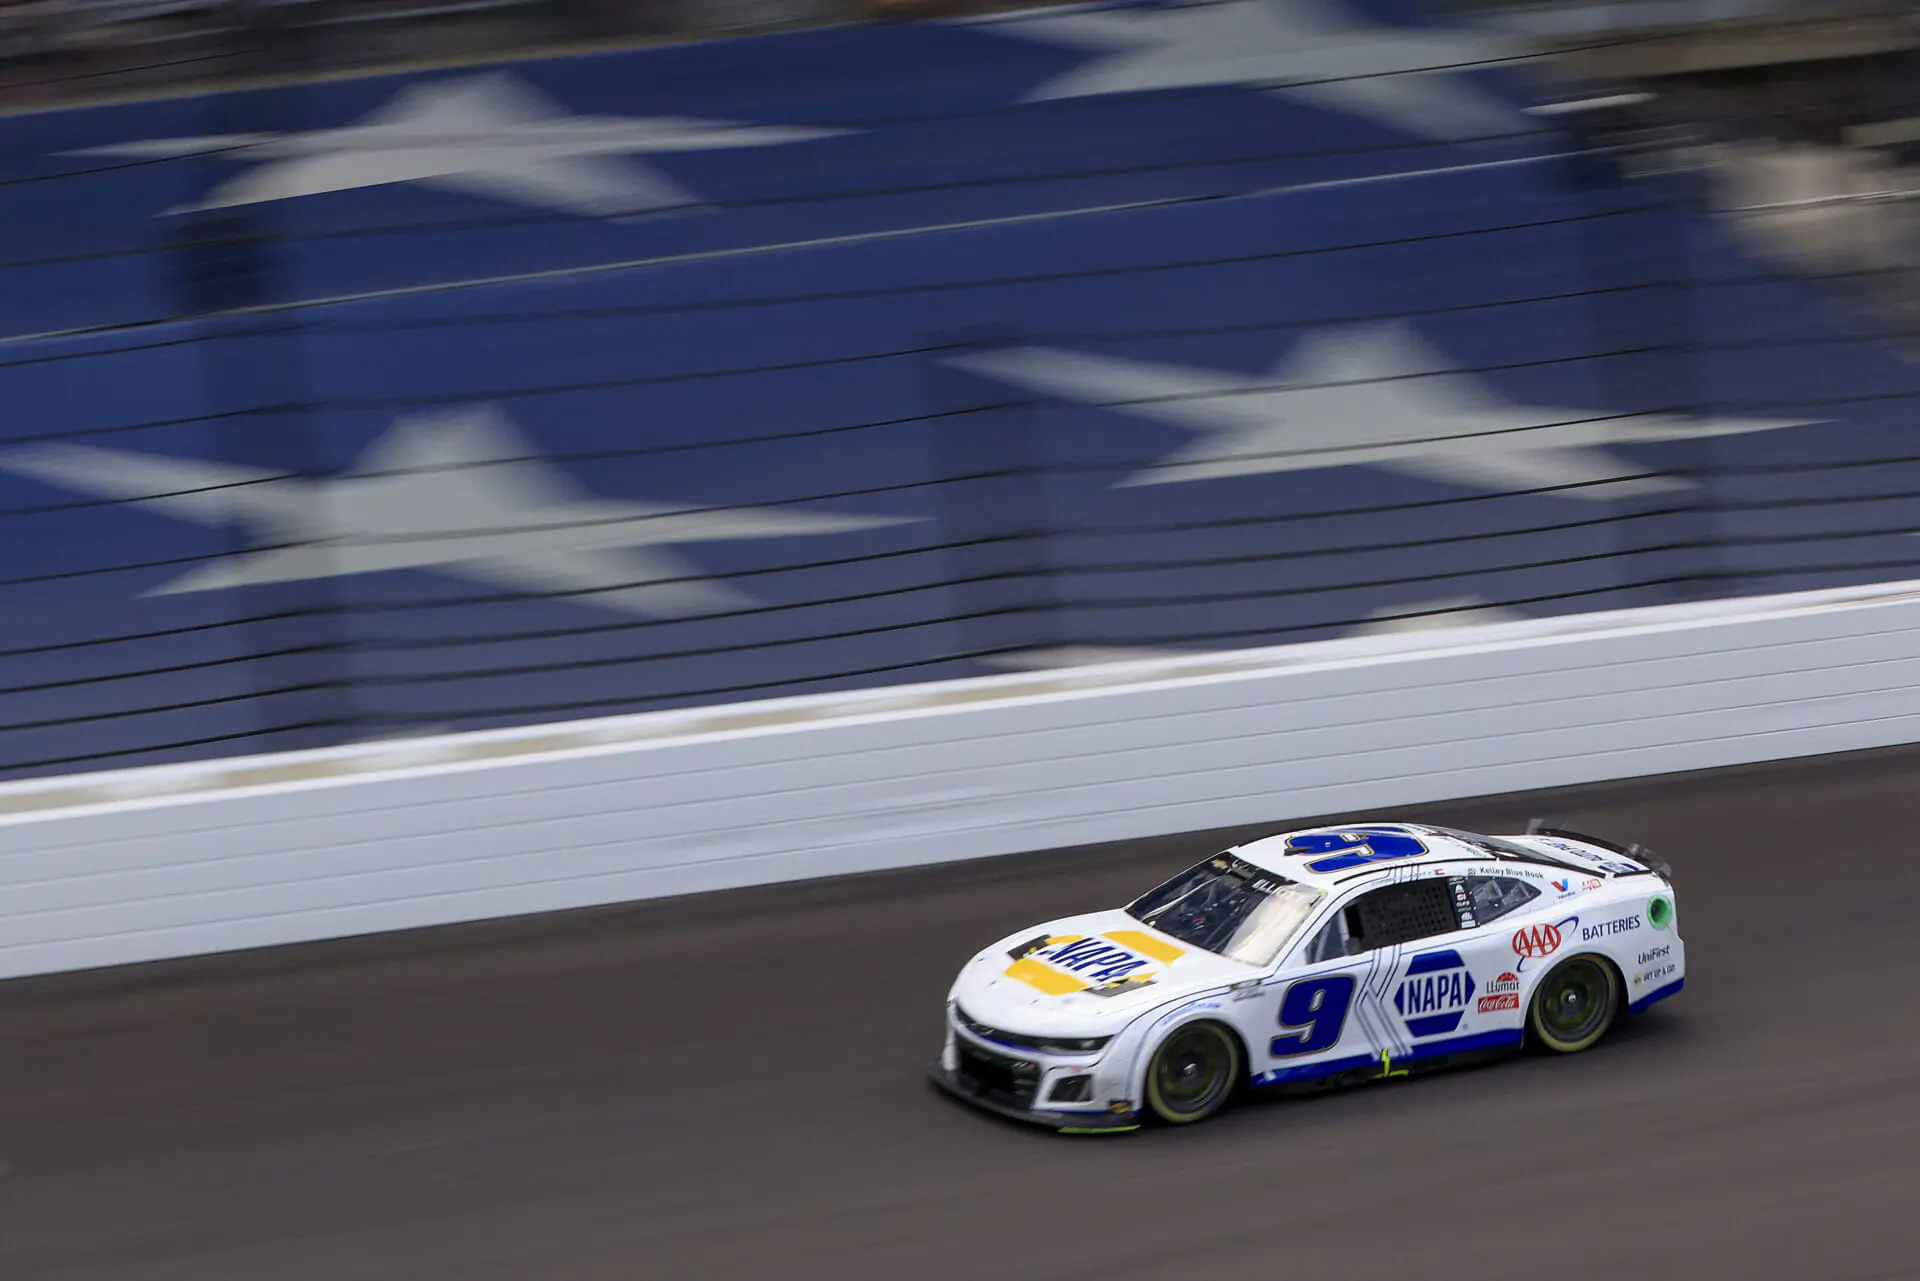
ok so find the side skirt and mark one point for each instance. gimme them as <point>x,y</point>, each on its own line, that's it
<point>1658,994</point>
<point>1434,1056</point>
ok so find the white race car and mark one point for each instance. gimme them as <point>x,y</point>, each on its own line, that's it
<point>1314,958</point>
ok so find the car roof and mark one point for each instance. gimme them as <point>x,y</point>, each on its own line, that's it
<point>1319,855</point>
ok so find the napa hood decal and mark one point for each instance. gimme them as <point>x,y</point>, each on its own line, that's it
<point>1109,962</point>
<point>1094,966</point>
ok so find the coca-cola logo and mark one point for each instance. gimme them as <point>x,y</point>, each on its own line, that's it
<point>1502,993</point>
<point>1536,941</point>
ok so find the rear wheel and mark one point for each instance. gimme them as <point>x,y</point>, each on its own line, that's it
<point>1574,1004</point>
<point>1193,1073</point>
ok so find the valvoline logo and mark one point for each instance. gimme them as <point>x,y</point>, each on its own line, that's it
<point>1434,994</point>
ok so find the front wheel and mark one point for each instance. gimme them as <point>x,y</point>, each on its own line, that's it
<point>1193,1073</point>
<point>1575,1004</point>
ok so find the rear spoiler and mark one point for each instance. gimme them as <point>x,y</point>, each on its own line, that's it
<point>1638,853</point>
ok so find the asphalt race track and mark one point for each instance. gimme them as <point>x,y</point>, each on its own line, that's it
<point>731,1087</point>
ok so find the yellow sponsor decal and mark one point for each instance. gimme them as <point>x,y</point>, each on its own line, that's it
<point>1074,962</point>
<point>1049,980</point>
<point>1145,943</point>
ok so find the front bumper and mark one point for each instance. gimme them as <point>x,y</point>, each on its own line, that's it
<point>1064,1122</point>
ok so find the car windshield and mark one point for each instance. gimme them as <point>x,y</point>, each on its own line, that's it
<point>1242,912</point>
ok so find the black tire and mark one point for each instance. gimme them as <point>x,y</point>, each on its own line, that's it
<point>1575,1004</point>
<point>1193,1073</point>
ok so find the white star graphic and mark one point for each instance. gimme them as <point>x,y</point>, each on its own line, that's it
<point>1313,50</point>
<point>1368,396</point>
<point>490,135</point>
<point>460,493</point>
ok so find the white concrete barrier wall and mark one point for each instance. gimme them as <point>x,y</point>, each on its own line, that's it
<point>146,864</point>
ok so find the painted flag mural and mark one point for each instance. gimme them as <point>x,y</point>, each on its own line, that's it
<point>869,355</point>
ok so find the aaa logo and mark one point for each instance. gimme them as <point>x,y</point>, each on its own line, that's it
<point>1533,942</point>
<point>1536,941</point>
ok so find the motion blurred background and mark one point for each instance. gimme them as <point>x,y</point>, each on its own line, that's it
<point>375,369</point>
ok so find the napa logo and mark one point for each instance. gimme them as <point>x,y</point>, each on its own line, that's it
<point>1434,994</point>
<point>1101,963</point>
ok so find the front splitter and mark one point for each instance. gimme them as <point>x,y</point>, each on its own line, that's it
<point>1064,1122</point>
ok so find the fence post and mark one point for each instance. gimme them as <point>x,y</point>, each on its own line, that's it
<point>229,268</point>
<point>1639,270</point>
<point>993,495</point>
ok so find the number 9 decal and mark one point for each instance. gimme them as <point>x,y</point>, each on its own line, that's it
<point>1319,1008</point>
<point>1356,848</point>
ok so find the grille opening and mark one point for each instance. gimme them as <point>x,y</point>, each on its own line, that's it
<point>997,1078</point>
<point>1071,1089</point>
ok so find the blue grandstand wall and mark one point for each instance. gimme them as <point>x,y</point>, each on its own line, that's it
<point>587,385</point>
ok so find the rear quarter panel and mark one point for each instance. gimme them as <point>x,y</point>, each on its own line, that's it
<point>1631,921</point>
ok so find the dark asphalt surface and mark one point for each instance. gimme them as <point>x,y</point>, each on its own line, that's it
<point>731,1087</point>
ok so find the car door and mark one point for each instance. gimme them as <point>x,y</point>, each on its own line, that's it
<point>1330,1009</point>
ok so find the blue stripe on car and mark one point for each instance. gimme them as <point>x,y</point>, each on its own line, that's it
<point>1430,1050</point>
<point>1658,994</point>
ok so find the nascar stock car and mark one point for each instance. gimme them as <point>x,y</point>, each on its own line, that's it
<point>1312,958</point>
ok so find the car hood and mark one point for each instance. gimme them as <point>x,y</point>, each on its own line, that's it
<point>1084,971</point>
